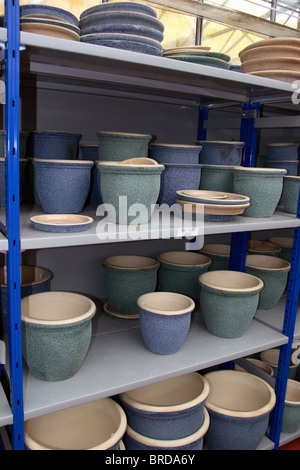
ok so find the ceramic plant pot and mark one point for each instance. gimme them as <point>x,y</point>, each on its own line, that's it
<point>129,192</point>
<point>22,144</point>
<point>263,186</point>
<point>97,425</point>
<point>122,17</point>
<point>42,11</point>
<point>62,186</point>
<point>136,441</point>
<point>56,333</point>
<point>271,357</point>
<point>90,152</point>
<point>174,177</point>
<point>258,247</point>
<point>128,29</point>
<point>263,366</point>
<point>219,255</point>
<point>22,168</point>
<point>120,6</point>
<point>291,166</point>
<point>228,301</point>
<point>57,145</point>
<point>124,42</point>
<point>291,410</point>
<point>168,410</point>
<point>179,272</point>
<point>290,193</point>
<point>118,146</point>
<point>221,153</point>
<point>282,151</point>
<point>126,278</point>
<point>165,319</point>
<point>274,273</point>
<point>239,406</point>
<point>217,178</point>
<point>286,244</point>
<point>175,153</point>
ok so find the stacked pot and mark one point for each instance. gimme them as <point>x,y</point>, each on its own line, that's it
<point>123,25</point>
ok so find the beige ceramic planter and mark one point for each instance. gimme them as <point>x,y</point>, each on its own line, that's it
<point>291,411</point>
<point>263,248</point>
<point>271,357</point>
<point>98,425</point>
<point>219,254</point>
<point>286,245</point>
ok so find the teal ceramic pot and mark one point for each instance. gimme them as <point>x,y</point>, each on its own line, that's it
<point>219,255</point>
<point>263,186</point>
<point>126,278</point>
<point>217,178</point>
<point>286,244</point>
<point>228,301</point>
<point>282,151</point>
<point>118,146</point>
<point>96,425</point>
<point>261,161</point>
<point>239,405</point>
<point>258,247</point>
<point>291,410</point>
<point>22,168</point>
<point>274,273</point>
<point>291,166</point>
<point>221,153</point>
<point>290,193</point>
<point>22,144</point>
<point>129,192</point>
<point>56,333</point>
<point>271,357</point>
<point>179,272</point>
<point>175,153</point>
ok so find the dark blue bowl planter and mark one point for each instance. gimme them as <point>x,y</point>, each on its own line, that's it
<point>221,153</point>
<point>133,46</point>
<point>121,7</point>
<point>57,145</point>
<point>22,166</point>
<point>98,38</point>
<point>175,153</point>
<point>288,151</point>
<point>37,11</point>
<point>124,29</point>
<point>177,177</point>
<point>120,17</point>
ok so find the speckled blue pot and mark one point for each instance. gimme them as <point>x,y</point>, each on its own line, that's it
<point>133,46</point>
<point>99,38</point>
<point>22,166</point>
<point>175,153</point>
<point>290,193</point>
<point>259,247</point>
<point>221,153</point>
<point>174,178</point>
<point>120,6</point>
<point>47,10</point>
<point>62,185</point>
<point>291,410</point>
<point>274,273</point>
<point>126,278</point>
<point>239,406</point>
<point>122,17</point>
<point>136,441</point>
<point>97,425</point>
<point>165,320</point>
<point>217,178</point>
<point>179,272</point>
<point>90,152</point>
<point>22,144</point>
<point>228,301</point>
<point>124,29</point>
<point>291,166</point>
<point>286,245</point>
<point>219,255</point>
<point>119,146</point>
<point>288,151</point>
<point>271,357</point>
<point>56,333</point>
<point>57,145</point>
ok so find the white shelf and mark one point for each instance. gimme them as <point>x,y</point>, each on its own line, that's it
<point>6,416</point>
<point>275,317</point>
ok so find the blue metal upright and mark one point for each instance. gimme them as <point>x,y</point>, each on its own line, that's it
<point>203,117</point>
<point>249,133</point>
<point>12,116</point>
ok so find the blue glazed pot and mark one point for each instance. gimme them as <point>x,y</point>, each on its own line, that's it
<point>136,441</point>
<point>291,166</point>
<point>40,11</point>
<point>22,144</point>
<point>124,29</point>
<point>62,186</point>
<point>290,193</point>
<point>165,319</point>
<point>122,17</point>
<point>174,177</point>
<point>120,6</point>
<point>175,153</point>
<point>22,167</point>
<point>98,38</point>
<point>219,255</point>
<point>90,152</point>
<point>56,145</point>
<point>271,357</point>
<point>221,153</point>
<point>119,146</point>
<point>56,333</point>
<point>97,425</point>
<point>217,178</point>
<point>239,406</point>
<point>282,151</point>
<point>291,410</point>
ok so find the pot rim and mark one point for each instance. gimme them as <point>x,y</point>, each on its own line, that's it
<point>282,144</point>
<point>203,260</point>
<point>253,261</point>
<point>252,170</point>
<point>222,142</point>
<point>283,161</point>
<point>285,242</point>
<point>297,178</point>
<point>270,247</point>
<point>295,385</point>
<point>2,159</point>
<point>271,356</point>
<point>116,166</point>
<point>208,248</point>
<point>66,133</point>
<point>66,161</point>
<point>205,279</point>
<point>187,146</point>
<point>149,262</point>
<point>122,134</point>
<point>47,272</point>
<point>141,301</point>
<point>148,441</point>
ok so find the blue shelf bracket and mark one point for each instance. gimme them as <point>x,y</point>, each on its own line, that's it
<point>249,133</point>
<point>12,117</point>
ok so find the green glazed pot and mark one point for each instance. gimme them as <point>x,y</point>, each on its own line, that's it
<point>260,247</point>
<point>290,193</point>
<point>274,274</point>
<point>291,410</point>
<point>286,245</point>
<point>219,254</point>
<point>271,357</point>
<point>179,272</point>
<point>263,186</point>
<point>217,178</point>
<point>126,278</point>
<point>228,301</point>
<point>118,146</point>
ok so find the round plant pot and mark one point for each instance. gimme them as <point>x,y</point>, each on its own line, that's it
<point>221,153</point>
<point>274,273</point>
<point>118,146</point>
<point>88,152</point>
<point>217,178</point>
<point>291,410</point>
<point>165,319</point>
<point>56,333</point>
<point>258,247</point>
<point>219,255</point>
<point>129,192</point>
<point>263,186</point>
<point>56,145</point>
<point>263,366</point>
<point>22,144</point>
<point>42,11</point>
<point>22,167</point>
<point>126,278</point>
<point>175,153</point>
<point>291,166</point>
<point>282,151</point>
<point>286,245</point>
<point>174,177</point>
<point>179,272</point>
<point>171,409</point>
<point>62,186</point>
<point>271,357</point>
<point>229,300</point>
<point>97,425</point>
<point>136,441</point>
<point>290,193</point>
<point>239,406</point>
<point>120,6</point>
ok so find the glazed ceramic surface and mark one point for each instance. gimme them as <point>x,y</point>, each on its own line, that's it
<point>118,146</point>
<point>132,29</point>
<point>259,247</point>
<point>291,166</point>
<point>174,177</point>
<point>273,51</point>
<point>42,11</point>
<point>291,410</point>
<point>271,357</point>
<point>55,145</point>
<point>290,193</point>
<point>221,153</point>
<point>270,63</point>
<point>287,76</point>
<point>196,54</point>
<point>219,254</point>
<point>124,38</point>
<point>286,245</point>
<point>280,41</point>
<point>212,197</point>
<point>122,17</point>
<point>212,212</point>
<point>282,151</point>
<point>217,178</point>
<point>175,153</point>
<point>120,6</point>
<point>199,59</point>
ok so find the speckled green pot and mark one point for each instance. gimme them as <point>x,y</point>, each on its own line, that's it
<point>228,301</point>
<point>263,186</point>
<point>179,272</point>
<point>219,254</point>
<point>271,357</point>
<point>291,410</point>
<point>217,178</point>
<point>290,193</point>
<point>56,333</point>
<point>118,146</point>
<point>286,245</point>
<point>274,274</point>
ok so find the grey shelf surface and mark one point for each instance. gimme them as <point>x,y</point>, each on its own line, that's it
<point>6,416</point>
<point>275,317</point>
